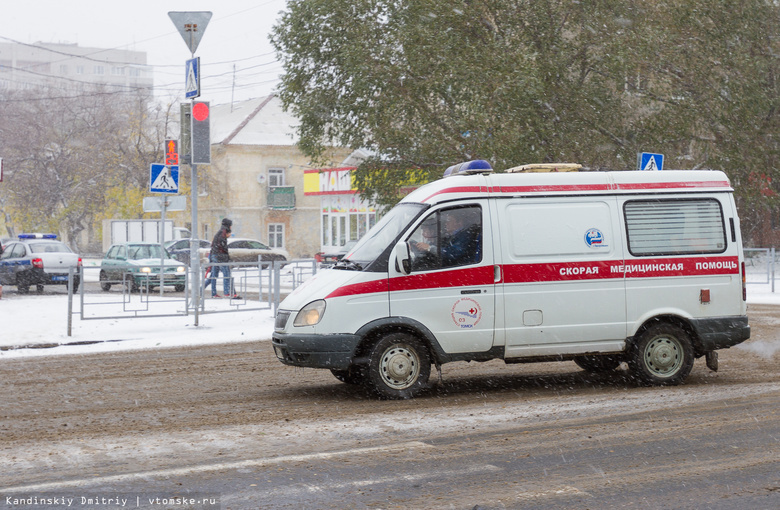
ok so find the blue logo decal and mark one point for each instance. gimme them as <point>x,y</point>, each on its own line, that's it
<point>594,237</point>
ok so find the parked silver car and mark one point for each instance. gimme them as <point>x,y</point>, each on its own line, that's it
<point>37,259</point>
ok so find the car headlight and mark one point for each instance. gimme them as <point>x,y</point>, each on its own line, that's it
<point>146,270</point>
<point>180,269</point>
<point>310,314</point>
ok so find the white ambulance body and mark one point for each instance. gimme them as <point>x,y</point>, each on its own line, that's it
<point>595,267</point>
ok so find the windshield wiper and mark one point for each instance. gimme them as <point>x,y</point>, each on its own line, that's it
<point>348,265</point>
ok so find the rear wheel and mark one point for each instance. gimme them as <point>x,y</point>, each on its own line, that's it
<point>662,356</point>
<point>398,366</point>
<point>597,364</point>
<point>22,284</point>
<point>105,285</point>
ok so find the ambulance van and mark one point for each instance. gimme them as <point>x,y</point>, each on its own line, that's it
<point>600,268</point>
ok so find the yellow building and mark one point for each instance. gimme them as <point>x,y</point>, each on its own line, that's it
<point>256,178</point>
<point>343,215</point>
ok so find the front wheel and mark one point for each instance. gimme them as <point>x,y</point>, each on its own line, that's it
<point>398,366</point>
<point>179,288</point>
<point>662,356</point>
<point>105,285</point>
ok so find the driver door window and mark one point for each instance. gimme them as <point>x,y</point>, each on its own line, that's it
<point>447,238</point>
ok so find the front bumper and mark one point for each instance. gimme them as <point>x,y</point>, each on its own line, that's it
<point>143,279</point>
<point>316,351</point>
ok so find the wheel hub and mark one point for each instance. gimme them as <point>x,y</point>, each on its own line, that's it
<point>663,356</point>
<point>399,367</point>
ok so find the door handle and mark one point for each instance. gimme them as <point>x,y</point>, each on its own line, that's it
<point>496,273</point>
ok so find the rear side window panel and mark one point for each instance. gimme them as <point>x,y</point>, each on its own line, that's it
<point>674,227</point>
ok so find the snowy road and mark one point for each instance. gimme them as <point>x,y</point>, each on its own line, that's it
<point>228,422</point>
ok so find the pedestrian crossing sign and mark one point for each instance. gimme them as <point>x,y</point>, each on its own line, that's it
<point>650,161</point>
<point>163,178</point>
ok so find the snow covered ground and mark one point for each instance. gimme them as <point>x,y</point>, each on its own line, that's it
<point>42,321</point>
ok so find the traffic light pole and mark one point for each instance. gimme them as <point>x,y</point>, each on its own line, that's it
<point>197,285</point>
<point>191,26</point>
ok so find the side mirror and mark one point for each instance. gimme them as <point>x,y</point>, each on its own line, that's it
<point>402,257</point>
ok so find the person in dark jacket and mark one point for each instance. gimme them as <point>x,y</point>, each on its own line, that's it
<point>219,253</point>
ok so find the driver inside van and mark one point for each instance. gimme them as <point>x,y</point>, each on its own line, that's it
<point>462,237</point>
<point>460,243</point>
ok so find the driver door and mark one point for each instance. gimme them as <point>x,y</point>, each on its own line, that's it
<point>454,297</point>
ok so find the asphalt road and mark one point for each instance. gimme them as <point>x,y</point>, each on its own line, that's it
<point>230,425</point>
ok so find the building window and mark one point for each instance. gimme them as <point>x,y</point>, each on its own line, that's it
<point>79,69</point>
<point>99,70</point>
<point>63,69</point>
<point>275,177</point>
<point>276,235</point>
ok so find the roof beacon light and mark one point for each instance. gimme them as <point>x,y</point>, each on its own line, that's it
<point>476,166</point>
<point>37,236</point>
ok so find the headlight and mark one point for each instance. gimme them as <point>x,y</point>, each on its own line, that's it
<point>146,269</point>
<point>310,314</point>
<point>180,269</point>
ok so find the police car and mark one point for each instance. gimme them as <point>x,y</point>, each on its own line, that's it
<point>37,259</point>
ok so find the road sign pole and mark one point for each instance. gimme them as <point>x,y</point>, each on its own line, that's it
<point>192,25</point>
<point>163,206</point>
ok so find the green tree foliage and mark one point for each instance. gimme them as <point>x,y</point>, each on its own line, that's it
<point>428,83</point>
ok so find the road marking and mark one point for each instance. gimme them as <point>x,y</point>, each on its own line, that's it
<point>291,491</point>
<point>205,468</point>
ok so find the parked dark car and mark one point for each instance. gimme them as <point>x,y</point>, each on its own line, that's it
<point>180,249</point>
<point>334,256</point>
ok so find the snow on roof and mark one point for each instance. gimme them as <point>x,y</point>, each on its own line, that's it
<point>259,121</point>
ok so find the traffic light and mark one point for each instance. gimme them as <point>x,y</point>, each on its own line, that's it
<point>201,133</point>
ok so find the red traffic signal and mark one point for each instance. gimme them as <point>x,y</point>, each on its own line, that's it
<point>201,133</point>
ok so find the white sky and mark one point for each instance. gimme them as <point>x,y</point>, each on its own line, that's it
<point>237,35</point>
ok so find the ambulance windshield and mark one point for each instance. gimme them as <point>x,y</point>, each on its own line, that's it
<point>381,237</point>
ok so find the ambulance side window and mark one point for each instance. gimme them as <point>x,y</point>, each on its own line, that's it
<point>448,238</point>
<point>674,227</point>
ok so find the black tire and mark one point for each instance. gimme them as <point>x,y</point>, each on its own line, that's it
<point>132,285</point>
<point>354,375</point>
<point>75,285</point>
<point>179,288</point>
<point>662,356</point>
<point>398,366</point>
<point>597,364</point>
<point>22,285</point>
<point>39,289</point>
<point>105,285</point>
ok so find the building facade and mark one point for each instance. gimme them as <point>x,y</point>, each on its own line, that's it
<point>256,178</point>
<point>70,66</point>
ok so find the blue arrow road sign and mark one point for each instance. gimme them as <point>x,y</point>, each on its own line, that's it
<point>192,79</point>
<point>650,161</point>
<point>163,178</point>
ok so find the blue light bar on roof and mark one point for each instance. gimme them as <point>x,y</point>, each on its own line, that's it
<point>476,166</point>
<point>37,236</point>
